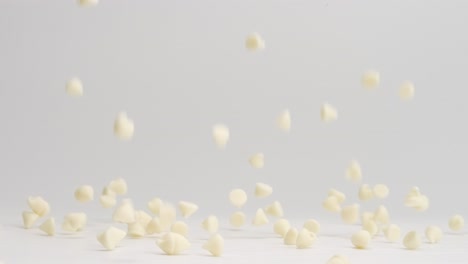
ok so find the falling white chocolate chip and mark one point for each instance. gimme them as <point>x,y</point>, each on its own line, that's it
<point>74,86</point>
<point>180,227</point>
<point>412,240</point>
<point>338,259</point>
<point>211,224</point>
<point>142,217</point>
<point>354,172</point>
<point>328,113</point>
<point>38,205</point>
<point>263,190</point>
<point>154,226</point>
<point>88,3</point>
<point>136,230</point>
<point>111,237</point>
<point>260,218</point>
<point>74,222</point>
<point>187,208</point>
<point>341,197</point>
<point>29,218</point>
<point>173,243</point>
<point>238,197</point>
<point>350,214</point>
<point>406,91</point>
<point>281,227</point>
<point>291,236</point>
<point>365,193</point>
<point>392,233</point>
<point>371,227</point>
<point>84,193</point>
<point>254,42</point>
<point>370,79</point>
<point>274,209</point>
<point>118,186</point>
<point>124,128</point>
<point>48,226</point>
<point>215,245</point>
<point>456,223</point>
<point>361,239</point>
<point>381,215</point>
<point>124,213</point>
<point>283,121</point>
<point>433,234</point>
<point>154,205</point>
<point>107,201</point>
<point>331,204</point>
<point>167,215</point>
<point>305,239</point>
<point>220,135</point>
<point>257,161</point>
<point>237,219</point>
<point>312,225</point>
<point>381,191</point>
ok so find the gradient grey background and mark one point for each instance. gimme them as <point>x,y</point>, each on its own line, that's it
<point>178,67</point>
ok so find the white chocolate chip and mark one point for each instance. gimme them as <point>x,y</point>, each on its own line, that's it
<point>124,128</point>
<point>260,218</point>
<point>263,190</point>
<point>154,205</point>
<point>406,91</point>
<point>88,3</point>
<point>74,222</point>
<point>107,201</point>
<point>167,215</point>
<point>341,197</point>
<point>370,79</point>
<point>237,219</point>
<point>281,227</point>
<point>154,226</point>
<point>371,227</point>
<point>107,191</point>
<point>124,213</point>
<point>433,234</point>
<point>331,204</point>
<point>187,208</point>
<point>84,193</point>
<point>215,245</point>
<point>283,121</point>
<point>365,193</point>
<point>180,227</point>
<point>456,223</point>
<point>412,240</point>
<point>111,237</point>
<point>136,230</point>
<point>354,172</point>
<point>220,135</point>
<point>312,225</point>
<point>416,200</point>
<point>361,239</point>
<point>48,226</point>
<point>257,161</point>
<point>254,42</point>
<point>328,113</point>
<point>338,259</point>
<point>392,233</point>
<point>173,243</point>
<point>381,191</point>
<point>38,205</point>
<point>350,214</point>
<point>29,218</point>
<point>291,236</point>
<point>118,186</point>
<point>238,197</point>
<point>366,216</point>
<point>274,209</point>
<point>142,217</point>
<point>381,215</point>
<point>211,224</point>
<point>74,86</point>
<point>305,239</point>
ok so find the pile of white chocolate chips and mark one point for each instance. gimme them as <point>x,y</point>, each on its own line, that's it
<point>173,240</point>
